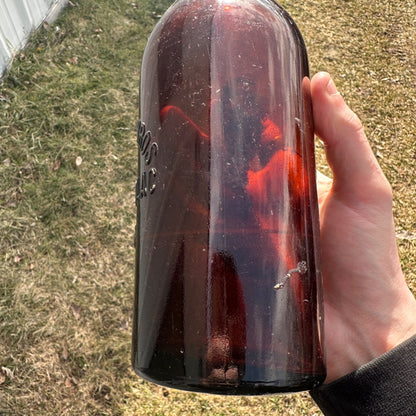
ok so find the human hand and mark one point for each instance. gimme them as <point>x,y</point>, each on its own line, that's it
<point>368,306</point>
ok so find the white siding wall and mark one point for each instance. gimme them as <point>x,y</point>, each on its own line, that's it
<point>18,19</point>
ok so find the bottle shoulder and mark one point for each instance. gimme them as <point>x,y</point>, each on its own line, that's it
<point>217,17</point>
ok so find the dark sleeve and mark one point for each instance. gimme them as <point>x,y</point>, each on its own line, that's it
<point>384,387</point>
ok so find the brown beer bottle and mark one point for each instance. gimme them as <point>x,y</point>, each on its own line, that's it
<point>228,294</point>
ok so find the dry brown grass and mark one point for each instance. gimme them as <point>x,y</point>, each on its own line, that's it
<point>66,249</point>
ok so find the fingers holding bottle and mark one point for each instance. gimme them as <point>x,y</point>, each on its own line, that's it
<point>357,174</point>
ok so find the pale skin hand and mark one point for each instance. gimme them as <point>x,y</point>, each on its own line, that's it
<point>368,306</point>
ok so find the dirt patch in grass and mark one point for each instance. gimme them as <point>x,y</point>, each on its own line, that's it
<point>68,112</point>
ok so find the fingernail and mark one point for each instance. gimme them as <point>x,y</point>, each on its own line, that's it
<point>331,88</point>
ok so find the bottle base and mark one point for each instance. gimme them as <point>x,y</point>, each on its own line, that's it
<point>289,383</point>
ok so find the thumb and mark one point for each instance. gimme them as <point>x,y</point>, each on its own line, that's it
<point>356,172</point>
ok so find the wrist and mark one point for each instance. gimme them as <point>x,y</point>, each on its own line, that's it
<point>405,324</point>
<point>371,332</point>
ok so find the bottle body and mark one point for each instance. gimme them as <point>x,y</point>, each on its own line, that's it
<point>228,286</point>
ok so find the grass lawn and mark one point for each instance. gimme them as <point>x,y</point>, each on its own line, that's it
<point>68,163</point>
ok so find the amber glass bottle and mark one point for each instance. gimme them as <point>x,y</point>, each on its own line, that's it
<point>228,285</point>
